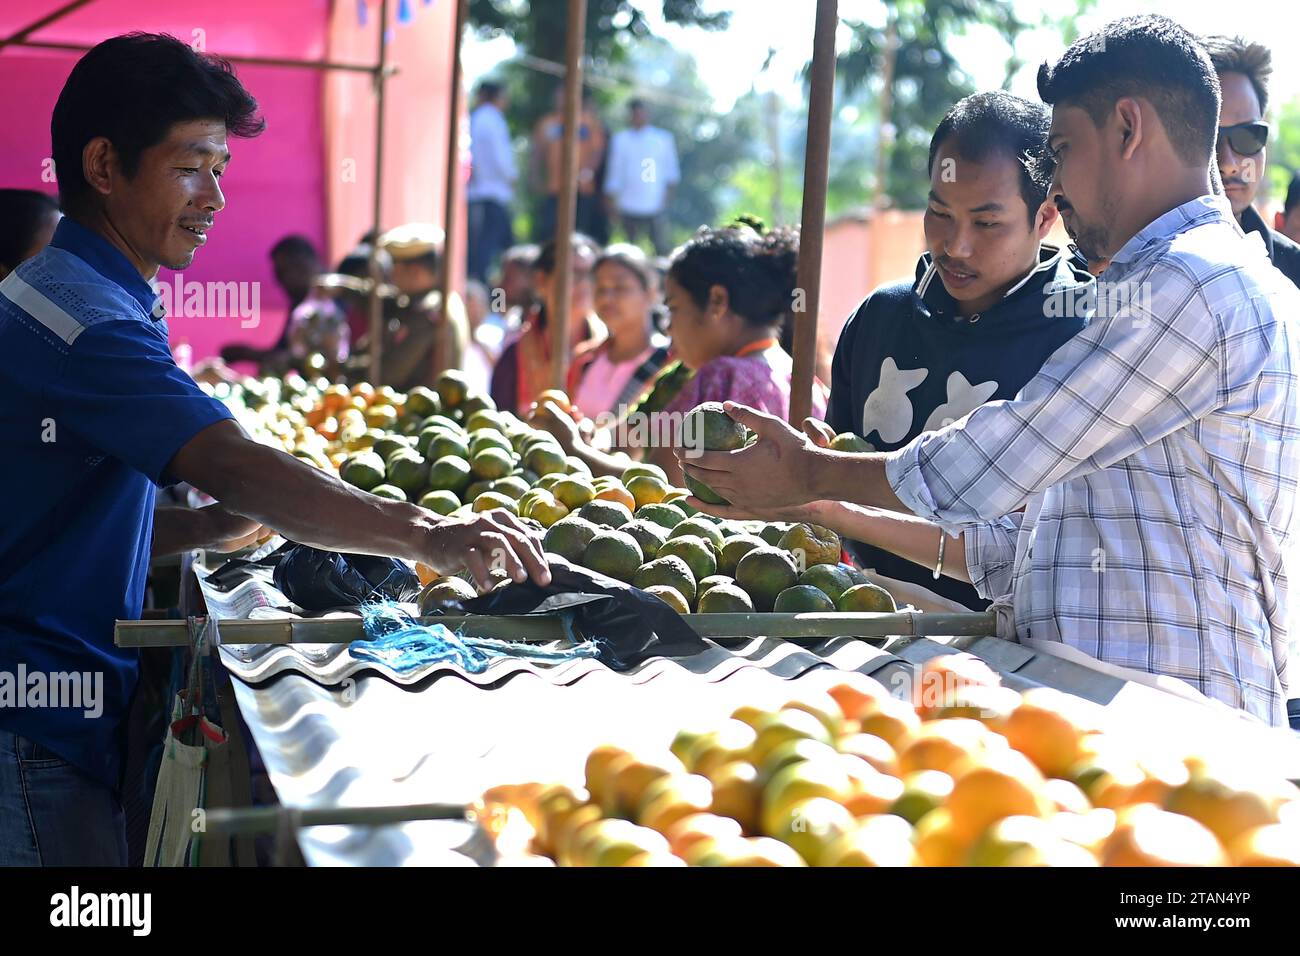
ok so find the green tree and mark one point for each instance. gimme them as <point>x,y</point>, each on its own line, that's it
<point>539,28</point>
<point>1284,149</point>
<point>623,59</point>
<point>928,78</point>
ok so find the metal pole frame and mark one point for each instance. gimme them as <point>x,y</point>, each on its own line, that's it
<point>376,304</point>
<point>453,167</point>
<point>380,72</point>
<point>821,97</point>
<point>566,213</point>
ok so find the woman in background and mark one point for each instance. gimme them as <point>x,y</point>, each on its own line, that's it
<point>608,376</point>
<point>729,292</point>
<point>524,369</point>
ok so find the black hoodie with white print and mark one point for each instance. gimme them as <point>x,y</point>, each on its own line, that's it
<point>907,363</point>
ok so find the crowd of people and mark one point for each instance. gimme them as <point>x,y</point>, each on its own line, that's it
<point>625,180</point>
<point>1122,480</point>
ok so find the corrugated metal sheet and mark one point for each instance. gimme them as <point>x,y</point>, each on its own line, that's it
<point>337,731</point>
<point>362,739</point>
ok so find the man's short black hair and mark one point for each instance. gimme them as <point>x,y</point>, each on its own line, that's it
<point>295,246</point>
<point>489,91</point>
<point>131,90</point>
<point>997,123</point>
<point>23,212</point>
<point>1292,195</point>
<point>1235,55</point>
<point>1149,56</point>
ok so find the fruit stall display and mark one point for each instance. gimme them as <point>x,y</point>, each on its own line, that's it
<point>448,449</point>
<point>967,773</point>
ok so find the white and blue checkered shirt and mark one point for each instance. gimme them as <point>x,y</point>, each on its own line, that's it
<point>1156,457</point>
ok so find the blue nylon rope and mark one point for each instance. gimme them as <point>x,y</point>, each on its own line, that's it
<point>399,642</point>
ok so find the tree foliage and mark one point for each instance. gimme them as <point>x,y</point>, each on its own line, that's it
<point>928,77</point>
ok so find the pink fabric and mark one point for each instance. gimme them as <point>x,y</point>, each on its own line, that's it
<point>310,173</point>
<point>603,382</point>
<point>761,381</point>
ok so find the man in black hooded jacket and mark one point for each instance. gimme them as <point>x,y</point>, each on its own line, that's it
<point>989,304</point>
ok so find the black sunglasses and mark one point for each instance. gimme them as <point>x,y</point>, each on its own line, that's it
<point>1246,139</point>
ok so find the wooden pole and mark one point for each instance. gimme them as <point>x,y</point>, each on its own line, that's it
<point>453,167</point>
<point>376,304</point>
<point>566,213</point>
<point>886,134</point>
<point>821,99</point>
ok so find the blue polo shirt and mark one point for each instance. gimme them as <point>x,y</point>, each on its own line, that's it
<point>92,408</point>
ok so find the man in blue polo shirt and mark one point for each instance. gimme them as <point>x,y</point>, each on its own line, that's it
<point>94,415</point>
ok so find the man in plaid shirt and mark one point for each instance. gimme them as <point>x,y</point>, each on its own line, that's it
<point>1136,500</point>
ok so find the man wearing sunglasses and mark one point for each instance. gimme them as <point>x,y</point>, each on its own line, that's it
<point>1244,69</point>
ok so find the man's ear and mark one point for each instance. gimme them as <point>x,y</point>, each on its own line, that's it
<point>1046,219</point>
<point>1279,220</point>
<point>1128,117</point>
<point>99,164</point>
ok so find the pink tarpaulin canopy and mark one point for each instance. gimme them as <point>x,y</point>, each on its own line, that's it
<point>312,171</point>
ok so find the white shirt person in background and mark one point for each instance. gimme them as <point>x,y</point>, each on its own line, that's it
<point>640,177</point>
<point>491,182</point>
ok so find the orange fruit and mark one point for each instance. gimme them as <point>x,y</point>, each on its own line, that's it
<point>801,781</point>
<point>938,842</point>
<point>1042,729</point>
<point>942,744</point>
<point>682,797</point>
<point>1003,784</point>
<point>871,749</point>
<point>693,829</point>
<point>1145,835</point>
<point>873,792</point>
<point>1226,806</point>
<point>558,397</point>
<point>1089,830</point>
<point>890,719</point>
<point>1065,796</point>
<point>731,741</point>
<point>736,794</point>
<point>1272,845</point>
<point>823,707</point>
<point>629,781</point>
<point>602,763</point>
<point>884,840</point>
<point>812,825</point>
<point>619,494</point>
<point>857,696</point>
<point>567,830</point>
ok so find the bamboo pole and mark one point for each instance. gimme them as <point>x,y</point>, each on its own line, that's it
<point>821,99</point>
<point>886,134</point>
<point>566,213</point>
<point>540,629</point>
<point>376,304</point>
<point>453,168</point>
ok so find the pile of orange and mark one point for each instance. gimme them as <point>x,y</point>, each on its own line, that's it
<point>978,776</point>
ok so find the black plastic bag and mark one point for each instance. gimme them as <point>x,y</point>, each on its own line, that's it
<point>628,624</point>
<point>318,580</point>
